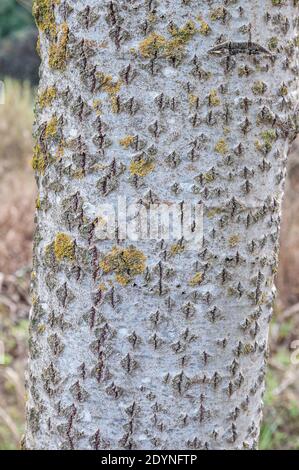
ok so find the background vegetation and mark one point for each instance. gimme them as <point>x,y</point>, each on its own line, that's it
<point>18,37</point>
<point>14,16</point>
<point>18,59</point>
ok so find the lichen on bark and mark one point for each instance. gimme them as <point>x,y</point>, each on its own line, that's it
<point>155,345</point>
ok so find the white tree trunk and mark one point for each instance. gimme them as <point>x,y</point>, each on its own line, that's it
<point>157,346</point>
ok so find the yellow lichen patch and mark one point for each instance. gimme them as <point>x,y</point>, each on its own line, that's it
<point>174,48</point>
<point>111,88</point>
<point>107,84</point>
<point>259,87</point>
<point>156,45</point>
<point>204,27</point>
<point>176,249</point>
<point>141,167</point>
<point>58,49</point>
<point>233,240</point>
<point>185,33</point>
<point>196,280</point>
<point>38,49</point>
<point>51,128</point>
<point>43,12</point>
<point>152,18</point>
<point>258,145</point>
<point>283,90</point>
<point>125,263</point>
<point>60,151</point>
<point>78,174</point>
<point>127,141</point>
<point>221,147</point>
<point>114,101</point>
<point>244,71</point>
<point>47,96</point>
<point>97,106</point>
<point>209,176</point>
<point>102,287</point>
<point>193,100</point>
<point>218,13</point>
<point>41,329</point>
<point>38,160</point>
<point>248,348</point>
<point>212,212</point>
<point>214,99</point>
<point>37,203</point>
<point>152,46</point>
<point>64,247</point>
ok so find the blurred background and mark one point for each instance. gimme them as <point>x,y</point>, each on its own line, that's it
<point>19,71</point>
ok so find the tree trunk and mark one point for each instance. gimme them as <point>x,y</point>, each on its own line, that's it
<point>153,344</point>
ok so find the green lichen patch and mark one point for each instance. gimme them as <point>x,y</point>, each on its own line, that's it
<point>58,49</point>
<point>125,263</point>
<point>64,248</point>
<point>269,136</point>
<point>259,87</point>
<point>273,43</point>
<point>46,97</point>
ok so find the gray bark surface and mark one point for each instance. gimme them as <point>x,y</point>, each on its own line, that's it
<point>156,346</point>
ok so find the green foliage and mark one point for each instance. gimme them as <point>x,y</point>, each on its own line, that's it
<point>13,17</point>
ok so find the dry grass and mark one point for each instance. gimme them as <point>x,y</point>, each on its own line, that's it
<point>17,195</point>
<point>17,187</point>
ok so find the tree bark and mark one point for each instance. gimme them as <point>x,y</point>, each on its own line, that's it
<point>152,345</point>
